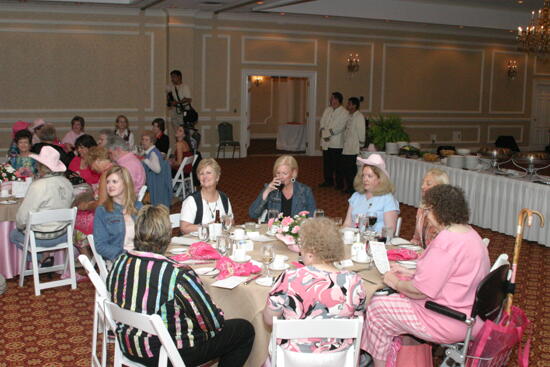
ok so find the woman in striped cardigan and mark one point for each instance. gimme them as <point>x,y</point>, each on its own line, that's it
<point>146,281</point>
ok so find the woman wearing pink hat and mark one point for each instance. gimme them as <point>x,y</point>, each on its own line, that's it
<point>373,195</point>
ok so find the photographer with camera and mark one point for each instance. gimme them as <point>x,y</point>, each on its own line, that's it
<point>178,99</point>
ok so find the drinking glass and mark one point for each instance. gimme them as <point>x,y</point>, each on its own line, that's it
<point>223,244</point>
<point>319,213</point>
<point>272,214</point>
<point>268,254</point>
<point>227,221</point>
<point>372,219</point>
<point>203,233</point>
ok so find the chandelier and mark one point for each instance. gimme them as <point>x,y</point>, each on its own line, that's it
<point>535,37</point>
<point>353,64</point>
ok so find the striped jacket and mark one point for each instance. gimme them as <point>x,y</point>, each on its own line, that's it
<point>150,283</point>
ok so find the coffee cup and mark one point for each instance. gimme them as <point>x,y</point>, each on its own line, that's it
<point>471,161</point>
<point>239,254</point>
<point>362,256</point>
<point>279,262</point>
<point>348,237</point>
<point>238,233</point>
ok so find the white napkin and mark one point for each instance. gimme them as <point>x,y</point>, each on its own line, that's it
<point>183,241</point>
<point>399,241</point>
<point>229,283</point>
<point>380,256</point>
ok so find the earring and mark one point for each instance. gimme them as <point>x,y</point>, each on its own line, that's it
<point>293,179</point>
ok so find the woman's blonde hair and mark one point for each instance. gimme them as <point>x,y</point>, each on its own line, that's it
<point>95,153</point>
<point>286,160</point>
<point>129,195</point>
<point>440,177</point>
<point>321,237</point>
<point>153,229</point>
<point>209,162</point>
<point>384,187</point>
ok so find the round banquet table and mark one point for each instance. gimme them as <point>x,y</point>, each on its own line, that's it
<point>248,301</point>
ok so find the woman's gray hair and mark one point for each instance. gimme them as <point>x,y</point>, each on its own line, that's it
<point>114,142</point>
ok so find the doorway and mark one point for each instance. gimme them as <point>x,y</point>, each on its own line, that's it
<point>276,107</point>
<point>540,121</point>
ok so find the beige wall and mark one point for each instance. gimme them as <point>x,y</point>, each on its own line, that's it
<point>100,64</point>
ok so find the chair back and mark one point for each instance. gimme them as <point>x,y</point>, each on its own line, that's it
<point>316,328</point>
<point>175,220</point>
<point>141,193</point>
<point>225,131</point>
<point>398,226</point>
<point>102,266</point>
<point>491,293</point>
<point>179,178</point>
<point>502,259</point>
<point>151,324</point>
<point>99,284</point>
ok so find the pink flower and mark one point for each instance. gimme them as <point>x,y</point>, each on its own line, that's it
<point>296,229</point>
<point>270,222</point>
<point>286,221</point>
<point>303,213</point>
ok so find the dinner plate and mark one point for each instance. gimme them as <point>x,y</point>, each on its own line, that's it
<point>398,241</point>
<point>409,264</point>
<point>178,250</point>
<point>244,260</point>
<point>245,237</point>
<point>265,281</point>
<point>183,241</point>
<point>284,267</point>
<point>209,270</point>
<point>8,202</point>
<point>194,234</point>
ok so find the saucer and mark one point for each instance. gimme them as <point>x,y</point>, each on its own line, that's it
<point>284,267</point>
<point>8,202</point>
<point>409,264</point>
<point>207,271</point>
<point>411,247</point>
<point>243,260</point>
<point>366,260</point>
<point>265,281</point>
<point>178,250</point>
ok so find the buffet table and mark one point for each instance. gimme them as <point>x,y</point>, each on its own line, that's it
<point>494,201</point>
<point>291,137</point>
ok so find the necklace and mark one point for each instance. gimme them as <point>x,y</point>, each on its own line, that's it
<point>212,211</point>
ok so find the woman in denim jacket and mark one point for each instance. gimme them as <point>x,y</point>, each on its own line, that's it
<point>284,193</point>
<point>114,220</point>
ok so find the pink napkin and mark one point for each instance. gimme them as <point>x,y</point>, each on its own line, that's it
<point>199,251</point>
<point>289,241</point>
<point>228,267</point>
<point>401,254</point>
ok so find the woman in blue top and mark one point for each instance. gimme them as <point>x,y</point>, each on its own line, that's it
<point>284,193</point>
<point>157,171</point>
<point>114,219</point>
<point>374,195</point>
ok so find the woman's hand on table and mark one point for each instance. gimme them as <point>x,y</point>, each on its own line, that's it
<point>397,268</point>
<point>391,279</point>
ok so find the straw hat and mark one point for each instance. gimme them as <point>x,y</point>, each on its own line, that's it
<point>50,158</point>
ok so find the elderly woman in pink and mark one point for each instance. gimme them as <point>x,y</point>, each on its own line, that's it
<point>448,273</point>
<point>77,129</point>
<point>424,232</point>
<point>318,290</point>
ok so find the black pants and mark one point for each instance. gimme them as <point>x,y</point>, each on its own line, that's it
<point>331,166</point>
<point>232,346</point>
<point>348,162</point>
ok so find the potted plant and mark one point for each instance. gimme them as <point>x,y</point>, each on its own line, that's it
<point>386,129</point>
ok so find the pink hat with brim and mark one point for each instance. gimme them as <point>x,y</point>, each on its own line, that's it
<point>50,158</point>
<point>376,161</point>
<point>18,126</point>
<point>37,123</point>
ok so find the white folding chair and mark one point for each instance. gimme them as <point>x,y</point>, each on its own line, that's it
<point>168,154</point>
<point>141,193</point>
<point>181,184</point>
<point>101,295</point>
<point>316,328</point>
<point>502,259</point>
<point>98,259</point>
<point>398,226</point>
<point>175,220</point>
<point>57,215</point>
<point>151,324</point>
<point>486,241</point>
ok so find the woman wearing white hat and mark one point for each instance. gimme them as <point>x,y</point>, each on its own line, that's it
<point>50,191</point>
<point>373,195</point>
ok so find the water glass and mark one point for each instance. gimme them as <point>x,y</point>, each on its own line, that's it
<point>319,213</point>
<point>227,221</point>
<point>203,232</point>
<point>268,255</point>
<point>223,244</point>
<point>272,214</point>
<point>250,226</point>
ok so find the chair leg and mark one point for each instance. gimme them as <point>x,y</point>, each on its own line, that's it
<point>72,271</point>
<point>35,273</point>
<point>218,154</point>
<point>23,266</point>
<point>233,155</point>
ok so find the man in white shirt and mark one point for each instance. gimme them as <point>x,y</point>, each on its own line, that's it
<point>178,94</point>
<point>354,139</point>
<point>333,122</point>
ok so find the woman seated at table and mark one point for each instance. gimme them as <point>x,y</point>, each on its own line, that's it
<point>50,191</point>
<point>22,161</point>
<point>196,325</point>
<point>77,130</point>
<point>373,195</point>
<point>448,273</point>
<point>182,151</point>
<point>114,219</point>
<point>157,172</point>
<point>284,193</point>
<point>201,206</point>
<point>15,128</point>
<point>122,130</point>
<point>318,290</point>
<point>78,163</point>
<point>424,232</point>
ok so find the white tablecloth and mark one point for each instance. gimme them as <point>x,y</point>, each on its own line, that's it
<point>495,201</point>
<point>291,137</point>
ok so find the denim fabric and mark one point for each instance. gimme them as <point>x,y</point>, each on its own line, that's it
<point>18,239</point>
<point>302,199</point>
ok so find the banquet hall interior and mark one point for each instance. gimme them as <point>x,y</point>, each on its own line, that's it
<point>456,73</point>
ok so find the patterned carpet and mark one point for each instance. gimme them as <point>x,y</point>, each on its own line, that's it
<point>55,329</point>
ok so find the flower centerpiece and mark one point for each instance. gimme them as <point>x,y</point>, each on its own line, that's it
<point>8,173</point>
<point>287,229</point>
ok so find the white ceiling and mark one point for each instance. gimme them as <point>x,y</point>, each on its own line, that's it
<point>493,14</point>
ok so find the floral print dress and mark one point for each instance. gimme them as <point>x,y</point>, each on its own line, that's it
<point>310,293</point>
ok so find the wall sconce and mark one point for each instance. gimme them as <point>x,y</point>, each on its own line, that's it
<point>353,63</point>
<point>512,69</point>
<point>257,80</point>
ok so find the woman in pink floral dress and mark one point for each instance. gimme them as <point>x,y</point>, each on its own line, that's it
<point>317,290</point>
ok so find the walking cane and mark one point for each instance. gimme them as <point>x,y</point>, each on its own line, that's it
<point>523,214</point>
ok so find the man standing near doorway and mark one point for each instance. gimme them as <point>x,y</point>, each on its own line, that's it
<point>333,123</point>
<point>178,95</point>
<point>354,139</point>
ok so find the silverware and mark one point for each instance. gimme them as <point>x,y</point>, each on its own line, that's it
<point>249,280</point>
